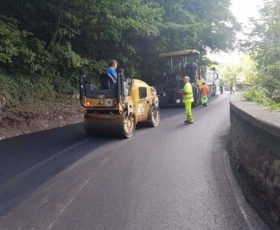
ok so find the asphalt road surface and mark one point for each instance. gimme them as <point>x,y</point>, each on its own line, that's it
<point>175,176</point>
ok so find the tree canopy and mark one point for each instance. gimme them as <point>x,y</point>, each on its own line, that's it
<point>55,39</point>
<point>265,47</point>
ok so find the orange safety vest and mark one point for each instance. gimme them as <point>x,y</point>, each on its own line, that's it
<point>204,90</point>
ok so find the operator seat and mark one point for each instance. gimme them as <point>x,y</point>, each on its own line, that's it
<point>190,70</point>
<point>106,81</point>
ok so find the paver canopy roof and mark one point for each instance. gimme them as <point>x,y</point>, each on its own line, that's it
<point>179,53</point>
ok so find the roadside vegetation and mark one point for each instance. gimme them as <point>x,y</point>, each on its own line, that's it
<point>259,94</point>
<point>264,51</point>
<point>243,73</point>
<point>44,45</point>
<point>258,72</point>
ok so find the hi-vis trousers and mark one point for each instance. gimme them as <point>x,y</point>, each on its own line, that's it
<point>188,109</point>
<point>204,99</point>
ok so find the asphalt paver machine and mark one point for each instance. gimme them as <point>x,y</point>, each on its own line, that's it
<point>175,65</point>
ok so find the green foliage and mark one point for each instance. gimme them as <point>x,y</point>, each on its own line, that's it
<point>21,51</point>
<point>257,94</point>
<point>265,48</point>
<point>10,41</point>
<point>20,90</point>
<point>242,72</point>
<point>198,24</point>
<point>50,42</point>
<point>6,92</point>
<point>14,50</point>
<point>261,95</point>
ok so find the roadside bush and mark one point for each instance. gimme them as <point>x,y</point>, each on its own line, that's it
<point>7,97</point>
<point>20,50</point>
<point>260,95</point>
<point>65,86</point>
<point>272,83</point>
<point>34,90</point>
<point>19,91</point>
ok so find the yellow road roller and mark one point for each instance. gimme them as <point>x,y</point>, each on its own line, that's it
<point>114,107</point>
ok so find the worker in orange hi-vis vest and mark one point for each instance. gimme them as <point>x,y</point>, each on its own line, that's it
<point>204,94</point>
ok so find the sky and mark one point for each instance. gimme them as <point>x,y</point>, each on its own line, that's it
<point>242,10</point>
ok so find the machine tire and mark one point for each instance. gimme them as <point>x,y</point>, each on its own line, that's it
<point>128,126</point>
<point>154,116</point>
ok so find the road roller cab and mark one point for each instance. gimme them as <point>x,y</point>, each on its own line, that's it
<point>114,107</point>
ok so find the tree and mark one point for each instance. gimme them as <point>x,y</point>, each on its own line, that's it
<point>55,39</point>
<point>242,72</point>
<point>265,47</point>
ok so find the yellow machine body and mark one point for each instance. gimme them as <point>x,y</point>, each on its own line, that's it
<point>118,117</point>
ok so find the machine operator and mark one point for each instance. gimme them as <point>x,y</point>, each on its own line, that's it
<point>112,69</point>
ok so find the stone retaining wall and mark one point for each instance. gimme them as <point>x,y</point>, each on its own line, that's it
<point>255,151</point>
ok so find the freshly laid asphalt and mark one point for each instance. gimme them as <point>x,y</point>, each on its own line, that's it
<point>174,176</point>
